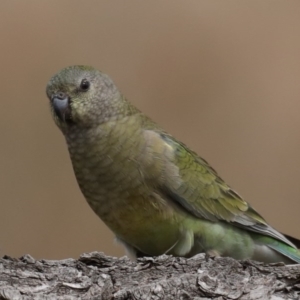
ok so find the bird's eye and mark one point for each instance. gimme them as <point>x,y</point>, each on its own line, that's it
<point>84,85</point>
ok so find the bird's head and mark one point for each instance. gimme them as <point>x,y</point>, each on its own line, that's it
<point>83,96</point>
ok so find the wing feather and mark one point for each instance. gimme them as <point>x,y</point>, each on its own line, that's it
<point>203,194</point>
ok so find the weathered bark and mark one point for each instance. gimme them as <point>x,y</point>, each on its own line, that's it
<point>96,276</point>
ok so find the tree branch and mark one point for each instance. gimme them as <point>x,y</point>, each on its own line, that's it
<point>96,276</point>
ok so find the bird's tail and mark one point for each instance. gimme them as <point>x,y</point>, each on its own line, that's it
<point>286,250</point>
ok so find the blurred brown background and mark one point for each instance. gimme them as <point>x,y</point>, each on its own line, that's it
<point>222,76</point>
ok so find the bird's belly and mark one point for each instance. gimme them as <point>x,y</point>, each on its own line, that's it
<point>147,224</point>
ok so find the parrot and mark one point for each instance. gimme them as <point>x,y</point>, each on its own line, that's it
<point>154,193</point>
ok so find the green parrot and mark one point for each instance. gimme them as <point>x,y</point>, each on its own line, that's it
<point>152,191</point>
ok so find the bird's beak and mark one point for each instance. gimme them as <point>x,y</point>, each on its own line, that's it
<point>61,106</point>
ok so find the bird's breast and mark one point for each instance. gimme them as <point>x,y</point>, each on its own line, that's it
<point>108,164</point>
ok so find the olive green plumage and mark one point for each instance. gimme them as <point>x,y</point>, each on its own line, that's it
<point>151,190</point>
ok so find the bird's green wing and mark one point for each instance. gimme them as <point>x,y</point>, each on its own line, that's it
<point>199,190</point>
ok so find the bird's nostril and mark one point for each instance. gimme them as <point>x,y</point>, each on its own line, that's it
<point>61,95</point>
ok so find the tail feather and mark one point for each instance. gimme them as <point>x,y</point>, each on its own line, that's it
<point>295,241</point>
<point>286,250</point>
